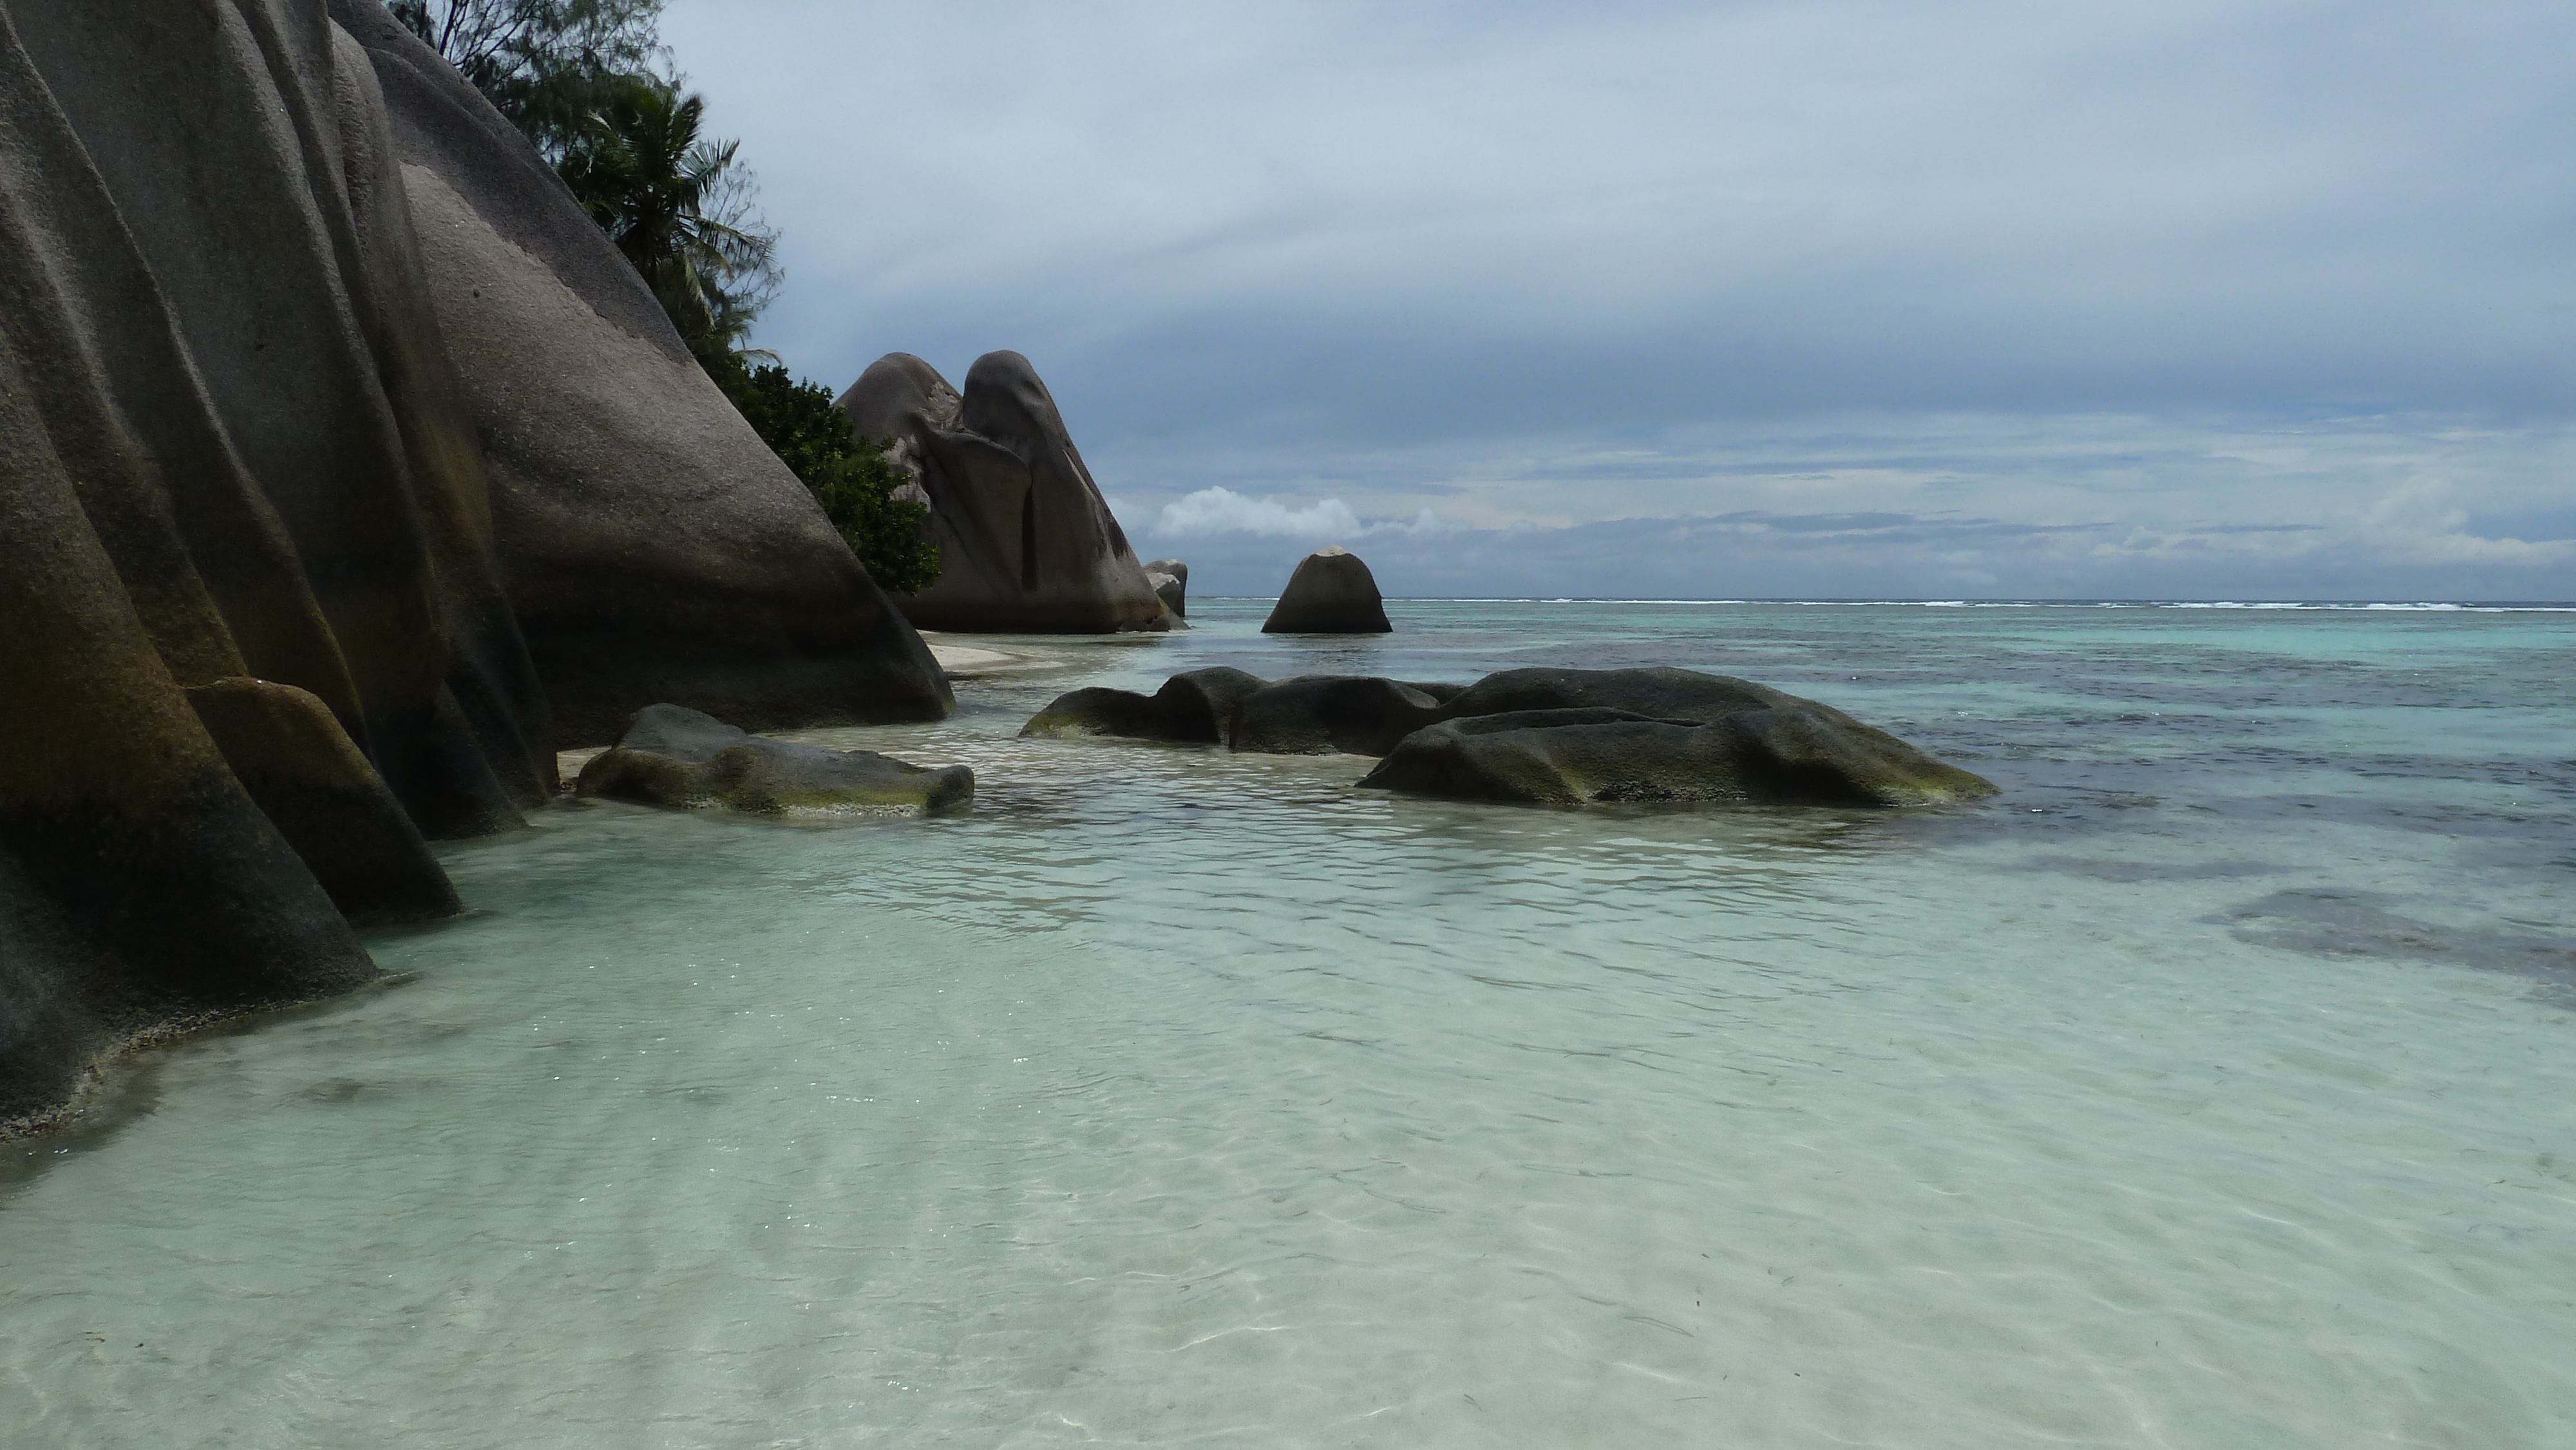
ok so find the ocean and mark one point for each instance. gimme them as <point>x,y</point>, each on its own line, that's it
<point>2212,1086</point>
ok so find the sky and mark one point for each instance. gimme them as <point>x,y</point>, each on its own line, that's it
<point>2265,299</point>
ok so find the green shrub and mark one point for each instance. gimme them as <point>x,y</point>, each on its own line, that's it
<point>848,475</point>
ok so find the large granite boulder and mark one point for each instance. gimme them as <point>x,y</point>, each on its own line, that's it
<point>1774,755</point>
<point>683,759</point>
<point>1194,706</point>
<point>1171,581</point>
<point>141,889</point>
<point>1332,592</point>
<point>654,549</point>
<point>236,354</point>
<point>1026,543</point>
<point>267,549</point>
<point>232,450</point>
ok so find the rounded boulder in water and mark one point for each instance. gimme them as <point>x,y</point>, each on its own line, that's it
<point>1794,754</point>
<point>682,759</point>
<point>1323,714</point>
<point>1332,592</point>
<point>1192,706</point>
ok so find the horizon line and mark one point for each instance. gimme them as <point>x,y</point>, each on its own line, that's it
<point>1971,602</point>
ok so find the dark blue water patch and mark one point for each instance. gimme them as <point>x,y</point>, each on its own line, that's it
<point>2361,925</point>
<point>2395,813</point>
<point>2099,869</point>
<point>2549,857</point>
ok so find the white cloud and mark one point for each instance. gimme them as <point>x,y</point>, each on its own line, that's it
<point>1223,511</point>
<point>2419,521</point>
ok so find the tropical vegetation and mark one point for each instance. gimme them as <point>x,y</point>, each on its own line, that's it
<point>850,476</point>
<point>676,204</point>
<point>542,63</point>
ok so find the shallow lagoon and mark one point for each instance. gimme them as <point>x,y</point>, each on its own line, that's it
<point>2211,1087</point>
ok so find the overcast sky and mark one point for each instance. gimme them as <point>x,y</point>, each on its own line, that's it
<point>2255,299</point>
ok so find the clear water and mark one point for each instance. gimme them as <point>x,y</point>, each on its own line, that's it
<point>2212,1087</point>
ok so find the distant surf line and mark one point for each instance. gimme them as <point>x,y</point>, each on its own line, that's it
<point>2325,605</point>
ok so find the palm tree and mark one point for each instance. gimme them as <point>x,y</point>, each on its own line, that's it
<point>542,63</point>
<point>678,206</point>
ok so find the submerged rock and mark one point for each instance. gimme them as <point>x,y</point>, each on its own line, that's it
<point>1171,581</point>
<point>1026,542</point>
<point>1193,706</point>
<point>679,758</point>
<point>1798,754</point>
<point>1332,592</point>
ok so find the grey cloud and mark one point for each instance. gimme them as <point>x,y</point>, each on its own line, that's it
<point>1837,204</point>
<point>2535,525</point>
<point>1893,528</point>
<point>1562,263</point>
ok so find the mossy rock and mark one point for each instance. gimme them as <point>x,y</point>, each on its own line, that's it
<point>681,759</point>
<point>1331,592</point>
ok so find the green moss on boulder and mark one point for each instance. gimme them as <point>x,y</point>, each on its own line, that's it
<point>680,759</point>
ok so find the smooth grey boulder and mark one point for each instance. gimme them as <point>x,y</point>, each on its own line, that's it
<point>653,547</point>
<point>1171,581</point>
<point>1026,542</point>
<point>1332,592</point>
<point>240,361</point>
<point>1772,755</point>
<point>231,448</point>
<point>1194,706</point>
<point>683,759</point>
<point>1321,714</point>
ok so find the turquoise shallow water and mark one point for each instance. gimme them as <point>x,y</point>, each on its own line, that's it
<point>2211,1087</point>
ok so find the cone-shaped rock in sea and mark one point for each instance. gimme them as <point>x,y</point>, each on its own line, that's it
<point>1332,592</point>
